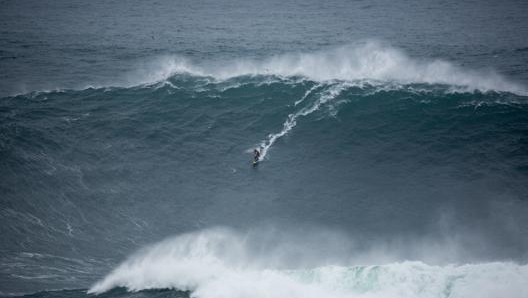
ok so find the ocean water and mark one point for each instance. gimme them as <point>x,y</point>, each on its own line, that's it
<point>394,140</point>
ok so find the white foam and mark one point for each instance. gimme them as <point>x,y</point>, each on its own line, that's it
<point>368,61</point>
<point>308,92</point>
<point>219,263</point>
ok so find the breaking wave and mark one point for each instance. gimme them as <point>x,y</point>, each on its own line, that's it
<point>371,61</point>
<point>221,263</point>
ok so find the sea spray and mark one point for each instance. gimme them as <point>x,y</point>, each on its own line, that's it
<point>369,61</point>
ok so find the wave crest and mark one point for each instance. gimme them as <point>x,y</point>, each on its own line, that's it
<point>370,61</point>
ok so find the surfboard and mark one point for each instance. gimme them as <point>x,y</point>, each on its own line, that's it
<point>255,163</point>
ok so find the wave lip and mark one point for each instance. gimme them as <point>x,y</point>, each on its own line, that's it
<point>370,61</point>
<point>217,263</point>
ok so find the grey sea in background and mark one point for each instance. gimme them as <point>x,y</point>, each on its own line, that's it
<point>393,139</point>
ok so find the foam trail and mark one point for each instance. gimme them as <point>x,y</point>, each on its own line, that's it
<point>291,121</point>
<point>219,263</point>
<point>306,94</point>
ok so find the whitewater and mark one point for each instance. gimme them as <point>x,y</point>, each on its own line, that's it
<point>221,263</point>
<point>371,61</point>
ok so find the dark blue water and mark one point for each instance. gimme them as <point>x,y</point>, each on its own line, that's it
<point>394,141</point>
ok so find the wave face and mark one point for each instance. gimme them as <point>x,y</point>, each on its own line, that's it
<point>398,159</point>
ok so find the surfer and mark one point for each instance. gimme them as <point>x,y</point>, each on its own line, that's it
<point>257,155</point>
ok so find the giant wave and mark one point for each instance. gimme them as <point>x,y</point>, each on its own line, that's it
<point>381,147</point>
